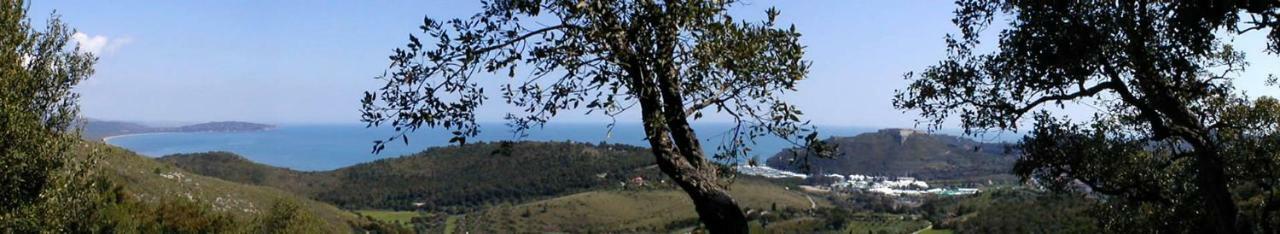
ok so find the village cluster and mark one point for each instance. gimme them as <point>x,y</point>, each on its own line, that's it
<point>893,186</point>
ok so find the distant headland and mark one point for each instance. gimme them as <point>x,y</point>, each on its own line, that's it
<point>99,130</point>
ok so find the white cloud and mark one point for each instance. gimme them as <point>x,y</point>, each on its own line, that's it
<point>99,44</point>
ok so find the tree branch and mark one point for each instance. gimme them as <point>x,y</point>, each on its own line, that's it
<point>1084,92</point>
<point>512,41</point>
<point>717,97</point>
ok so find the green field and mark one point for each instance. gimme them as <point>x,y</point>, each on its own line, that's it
<point>646,210</point>
<point>397,217</point>
<point>451,224</point>
<point>862,223</point>
<point>937,231</point>
<point>902,226</point>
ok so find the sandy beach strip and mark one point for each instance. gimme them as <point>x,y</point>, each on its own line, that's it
<point>108,139</point>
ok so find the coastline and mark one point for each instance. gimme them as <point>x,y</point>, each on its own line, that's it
<point>108,139</point>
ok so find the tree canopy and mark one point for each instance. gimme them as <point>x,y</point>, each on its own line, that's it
<point>674,60</point>
<point>42,187</point>
<point>1172,143</point>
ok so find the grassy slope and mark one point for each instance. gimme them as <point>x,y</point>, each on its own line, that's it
<point>152,181</point>
<point>867,223</point>
<point>937,231</point>
<point>389,216</point>
<point>626,210</point>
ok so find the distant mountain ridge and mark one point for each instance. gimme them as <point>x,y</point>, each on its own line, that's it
<point>906,152</point>
<point>99,129</point>
<point>223,126</point>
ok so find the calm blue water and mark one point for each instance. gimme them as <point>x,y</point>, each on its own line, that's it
<point>325,147</point>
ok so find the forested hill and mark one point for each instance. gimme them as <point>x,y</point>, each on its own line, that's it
<point>444,178</point>
<point>904,152</point>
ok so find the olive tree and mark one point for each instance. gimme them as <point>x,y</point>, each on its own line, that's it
<point>42,186</point>
<point>673,60</point>
<point>1172,144</point>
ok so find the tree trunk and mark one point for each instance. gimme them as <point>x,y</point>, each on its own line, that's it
<point>716,209</point>
<point>720,212</point>
<point>653,81</point>
<point>1220,208</point>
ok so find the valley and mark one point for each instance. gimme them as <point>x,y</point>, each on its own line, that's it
<point>587,187</point>
<point>639,116</point>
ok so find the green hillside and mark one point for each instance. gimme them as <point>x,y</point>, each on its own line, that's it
<point>152,182</point>
<point>453,178</point>
<point>543,187</point>
<point>649,209</point>
<point>901,152</point>
<point>1014,210</point>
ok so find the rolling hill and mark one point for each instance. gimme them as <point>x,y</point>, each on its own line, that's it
<point>537,187</point>
<point>903,152</point>
<point>452,178</point>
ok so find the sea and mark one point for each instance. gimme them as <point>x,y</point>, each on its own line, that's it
<point>319,147</point>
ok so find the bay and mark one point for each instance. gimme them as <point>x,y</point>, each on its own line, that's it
<point>317,147</point>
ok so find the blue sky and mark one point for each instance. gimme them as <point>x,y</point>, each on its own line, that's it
<point>310,61</point>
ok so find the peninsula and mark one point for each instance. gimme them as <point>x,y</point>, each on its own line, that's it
<point>98,130</point>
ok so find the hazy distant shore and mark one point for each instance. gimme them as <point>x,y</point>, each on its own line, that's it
<point>107,139</point>
<point>107,130</point>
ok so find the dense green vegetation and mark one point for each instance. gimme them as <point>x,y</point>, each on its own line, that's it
<point>889,153</point>
<point>453,178</point>
<point>1013,210</point>
<point>177,215</point>
<point>43,187</point>
<point>1172,143</point>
